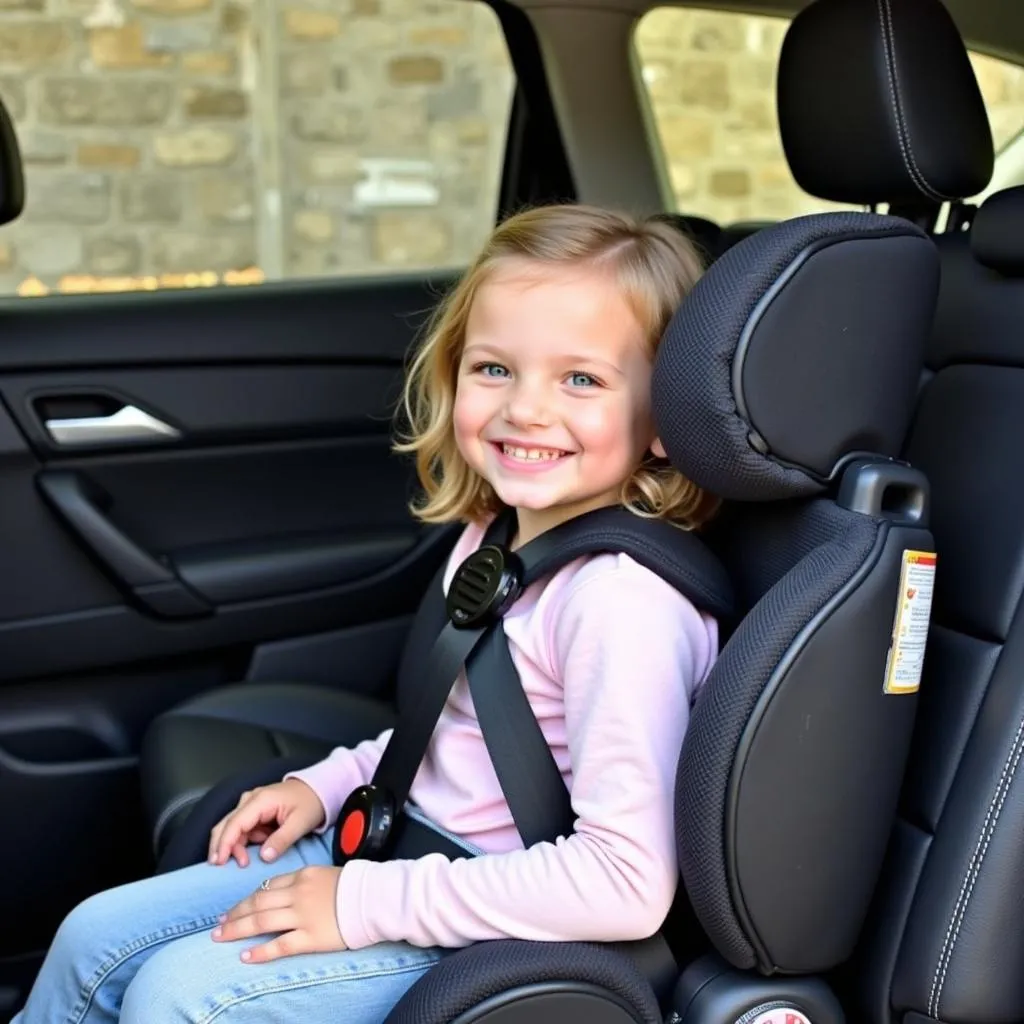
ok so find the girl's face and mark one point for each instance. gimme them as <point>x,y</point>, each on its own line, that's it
<point>552,404</point>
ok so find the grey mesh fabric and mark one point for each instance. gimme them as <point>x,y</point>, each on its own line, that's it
<point>789,561</point>
<point>464,979</point>
<point>695,402</point>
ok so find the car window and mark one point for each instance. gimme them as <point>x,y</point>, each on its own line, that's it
<point>710,80</point>
<point>190,143</point>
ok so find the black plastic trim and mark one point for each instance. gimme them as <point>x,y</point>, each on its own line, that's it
<point>227,573</point>
<point>536,168</point>
<point>216,406</point>
<point>12,173</point>
<point>153,584</point>
<point>116,634</point>
<point>865,486</point>
<point>79,503</point>
<point>222,326</point>
<point>710,991</point>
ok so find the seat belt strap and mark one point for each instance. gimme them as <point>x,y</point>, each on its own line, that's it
<point>529,776</point>
<point>400,761</point>
<point>527,772</point>
<point>365,825</point>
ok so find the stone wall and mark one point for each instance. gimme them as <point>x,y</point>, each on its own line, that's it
<point>175,143</point>
<point>186,142</point>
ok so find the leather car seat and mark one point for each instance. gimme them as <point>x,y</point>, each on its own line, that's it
<point>944,939</point>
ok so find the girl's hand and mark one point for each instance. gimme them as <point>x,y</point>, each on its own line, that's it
<point>291,805</point>
<point>300,906</point>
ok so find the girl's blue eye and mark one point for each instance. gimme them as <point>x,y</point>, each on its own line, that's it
<point>493,370</point>
<point>582,380</point>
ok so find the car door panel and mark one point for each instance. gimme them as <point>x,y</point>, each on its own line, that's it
<point>264,535</point>
<point>282,452</point>
<point>267,536</point>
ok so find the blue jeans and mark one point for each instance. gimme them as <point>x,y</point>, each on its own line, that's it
<point>142,953</point>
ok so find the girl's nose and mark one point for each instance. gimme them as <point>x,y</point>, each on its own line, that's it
<point>527,406</point>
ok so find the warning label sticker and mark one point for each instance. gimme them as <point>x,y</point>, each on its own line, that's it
<point>910,630</point>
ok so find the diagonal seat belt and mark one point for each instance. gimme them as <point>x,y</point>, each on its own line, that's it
<point>528,774</point>
<point>484,586</point>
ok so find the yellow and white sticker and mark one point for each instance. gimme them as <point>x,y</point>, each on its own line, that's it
<point>910,630</point>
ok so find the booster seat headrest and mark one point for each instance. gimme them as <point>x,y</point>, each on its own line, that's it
<point>799,349</point>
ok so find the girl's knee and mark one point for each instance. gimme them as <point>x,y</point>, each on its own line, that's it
<point>180,981</point>
<point>160,990</point>
<point>92,922</point>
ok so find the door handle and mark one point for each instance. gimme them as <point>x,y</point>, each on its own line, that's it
<point>129,425</point>
<point>154,585</point>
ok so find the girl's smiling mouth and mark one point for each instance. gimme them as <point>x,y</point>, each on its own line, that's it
<point>528,457</point>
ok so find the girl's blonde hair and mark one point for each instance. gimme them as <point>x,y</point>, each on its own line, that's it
<point>655,267</point>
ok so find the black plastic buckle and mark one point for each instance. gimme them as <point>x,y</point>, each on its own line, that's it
<point>364,825</point>
<point>484,587</point>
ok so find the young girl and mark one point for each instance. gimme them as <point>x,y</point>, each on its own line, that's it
<point>531,391</point>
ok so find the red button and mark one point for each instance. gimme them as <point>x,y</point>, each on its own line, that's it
<point>352,832</point>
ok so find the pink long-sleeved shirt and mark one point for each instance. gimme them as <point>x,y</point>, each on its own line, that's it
<point>610,657</point>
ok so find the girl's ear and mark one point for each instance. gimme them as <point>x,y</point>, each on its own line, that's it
<point>658,449</point>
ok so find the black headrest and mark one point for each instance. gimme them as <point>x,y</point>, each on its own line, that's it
<point>800,347</point>
<point>878,103</point>
<point>704,233</point>
<point>997,234</point>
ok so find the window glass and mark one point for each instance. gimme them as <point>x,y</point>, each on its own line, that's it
<point>1002,86</point>
<point>190,143</point>
<point>710,78</point>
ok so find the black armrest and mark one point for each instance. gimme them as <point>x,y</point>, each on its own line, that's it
<point>250,570</point>
<point>189,843</point>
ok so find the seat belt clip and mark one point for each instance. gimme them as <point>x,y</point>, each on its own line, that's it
<point>364,826</point>
<point>484,587</point>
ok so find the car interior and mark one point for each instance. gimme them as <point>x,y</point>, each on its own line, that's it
<point>211,573</point>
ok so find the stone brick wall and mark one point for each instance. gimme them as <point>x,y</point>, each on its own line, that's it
<point>174,143</point>
<point>190,142</point>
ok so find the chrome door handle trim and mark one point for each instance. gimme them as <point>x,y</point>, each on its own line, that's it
<point>128,424</point>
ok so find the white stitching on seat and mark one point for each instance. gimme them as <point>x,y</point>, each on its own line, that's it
<point>902,135</point>
<point>190,796</point>
<point>973,871</point>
